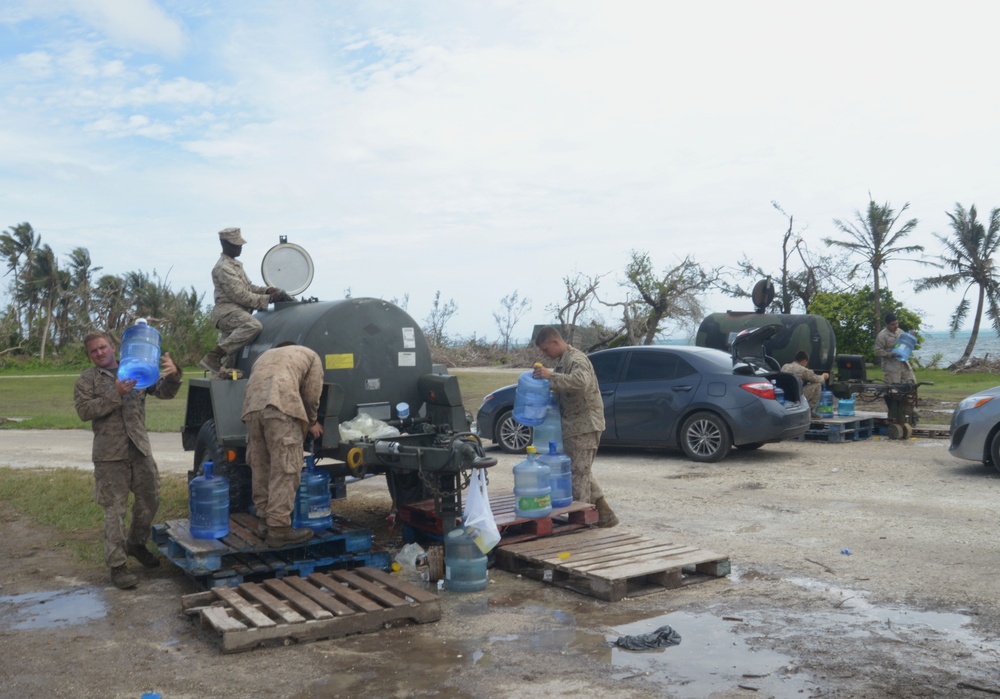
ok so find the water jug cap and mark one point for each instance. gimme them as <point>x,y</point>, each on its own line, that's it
<point>207,468</point>
<point>403,410</point>
<point>140,321</point>
<point>553,446</point>
<point>531,450</point>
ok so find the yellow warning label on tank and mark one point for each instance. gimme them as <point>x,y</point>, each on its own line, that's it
<point>340,361</point>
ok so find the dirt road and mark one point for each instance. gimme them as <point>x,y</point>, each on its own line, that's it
<point>912,611</point>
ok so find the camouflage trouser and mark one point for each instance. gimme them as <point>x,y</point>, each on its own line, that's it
<point>113,480</point>
<point>581,449</point>
<point>275,455</point>
<point>236,330</point>
<point>897,371</point>
<point>812,391</point>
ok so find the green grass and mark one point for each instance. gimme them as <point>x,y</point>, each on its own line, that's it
<point>63,499</point>
<point>47,401</point>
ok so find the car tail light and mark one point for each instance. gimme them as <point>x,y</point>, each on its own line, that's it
<point>764,389</point>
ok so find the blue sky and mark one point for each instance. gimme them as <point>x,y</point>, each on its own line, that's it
<point>478,148</point>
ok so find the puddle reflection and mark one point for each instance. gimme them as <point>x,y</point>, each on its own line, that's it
<point>45,610</point>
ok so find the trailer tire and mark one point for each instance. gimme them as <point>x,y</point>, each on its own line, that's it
<point>207,448</point>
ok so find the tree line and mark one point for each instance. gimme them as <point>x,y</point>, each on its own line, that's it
<point>53,305</point>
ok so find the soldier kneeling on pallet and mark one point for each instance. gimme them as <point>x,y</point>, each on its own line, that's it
<point>280,406</point>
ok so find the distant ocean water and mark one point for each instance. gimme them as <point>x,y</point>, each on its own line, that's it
<point>951,348</point>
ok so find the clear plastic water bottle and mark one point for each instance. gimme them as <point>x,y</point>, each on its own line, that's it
<point>312,500</point>
<point>560,476</point>
<point>208,500</point>
<point>140,355</point>
<point>550,430</point>
<point>532,490</point>
<point>464,563</point>
<point>530,399</point>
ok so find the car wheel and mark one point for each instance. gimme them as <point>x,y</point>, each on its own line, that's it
<point>510,434</point>
<point>705,438</point>
<point>995,451</point>
<point>749,447</point>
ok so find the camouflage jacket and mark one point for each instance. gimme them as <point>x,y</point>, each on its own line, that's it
<point>803,372</point>
<point>885,341</point>
<point>233,290</point>
<point>575,385</point>
<point>289,379</point>
<point>115,419</point>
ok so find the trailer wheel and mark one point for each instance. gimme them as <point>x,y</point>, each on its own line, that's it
<point>207,448</point>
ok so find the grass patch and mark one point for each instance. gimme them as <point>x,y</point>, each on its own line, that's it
<point>63,499</point>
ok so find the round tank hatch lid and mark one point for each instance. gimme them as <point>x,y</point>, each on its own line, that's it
<point>763,293</point>
<point>287,266</point>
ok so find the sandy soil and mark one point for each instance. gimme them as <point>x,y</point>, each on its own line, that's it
<point>911,612</point>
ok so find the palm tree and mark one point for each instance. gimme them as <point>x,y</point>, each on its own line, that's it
<point>969,252</point>
<point>876,242</point>
<point>16,243</point>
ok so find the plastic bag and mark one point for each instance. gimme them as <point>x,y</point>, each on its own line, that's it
<point>478,514</point>
<point>364,425</point>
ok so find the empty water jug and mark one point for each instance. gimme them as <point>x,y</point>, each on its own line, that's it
<point>464,563</point>
<point>905,344</point>
<point>531,399</point>
<point>550,430</point>
<point>845,406</point>
<point>140,355</point>
<point>532,490</point>
<point>560,476</point>
<point>208,500</point>
<point>312,499</point>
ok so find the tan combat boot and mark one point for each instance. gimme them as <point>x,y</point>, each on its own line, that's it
<point>123,578</point>
<point>213,360</point>
<point>605,516</point>
<point>283,536</point>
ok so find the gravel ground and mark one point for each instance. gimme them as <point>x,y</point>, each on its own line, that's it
<point>912,611</point>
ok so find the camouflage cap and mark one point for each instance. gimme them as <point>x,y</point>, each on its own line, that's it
<point>232,235</point>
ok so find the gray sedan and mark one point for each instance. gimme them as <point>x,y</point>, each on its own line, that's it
<point>975,428</point>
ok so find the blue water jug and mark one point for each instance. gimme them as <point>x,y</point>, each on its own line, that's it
<point>312,500</point>
<point>560,476</point>
<point>845,406</point>
<point>140,355</point>
<point>905,344</point>
<point>531,399</point>
<point>779,393</point>
<point>550,430</point>
<point>532,490</point>
<point>208,500</point>
<point>464,563</point>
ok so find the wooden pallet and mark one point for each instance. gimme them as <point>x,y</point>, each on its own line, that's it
<point>319,606</point>
<point>611,565</point>
<point>839,429</point>
<point>577,515</point>
<point>242,556</point>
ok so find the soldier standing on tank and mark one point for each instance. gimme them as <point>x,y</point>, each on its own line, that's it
<point>811,381</point>
<point>123,459</point>
<point>281,406</point>
<point>894,369</point>
<point>582,411</point>
<point>235,297</point>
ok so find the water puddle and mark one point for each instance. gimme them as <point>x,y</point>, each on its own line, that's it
<point>53,609</point>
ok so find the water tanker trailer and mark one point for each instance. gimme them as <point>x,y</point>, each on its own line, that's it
<point>376,363</point>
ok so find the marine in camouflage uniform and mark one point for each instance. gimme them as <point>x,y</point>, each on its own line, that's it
<point>235,298</point>
<point>280,406</point>
<point>895,370</point>
<point>123,459</point>
<point>582,412</point>
<point>811,381</point>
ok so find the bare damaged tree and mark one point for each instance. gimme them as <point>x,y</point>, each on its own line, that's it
<point>671,295</point>
<point>511,310</point>
<point>437,319</point>
<point>581,292</point>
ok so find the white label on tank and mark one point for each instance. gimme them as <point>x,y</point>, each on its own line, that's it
<point>372,384</point>
<point>409,338</point>
<point>407,359</point>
